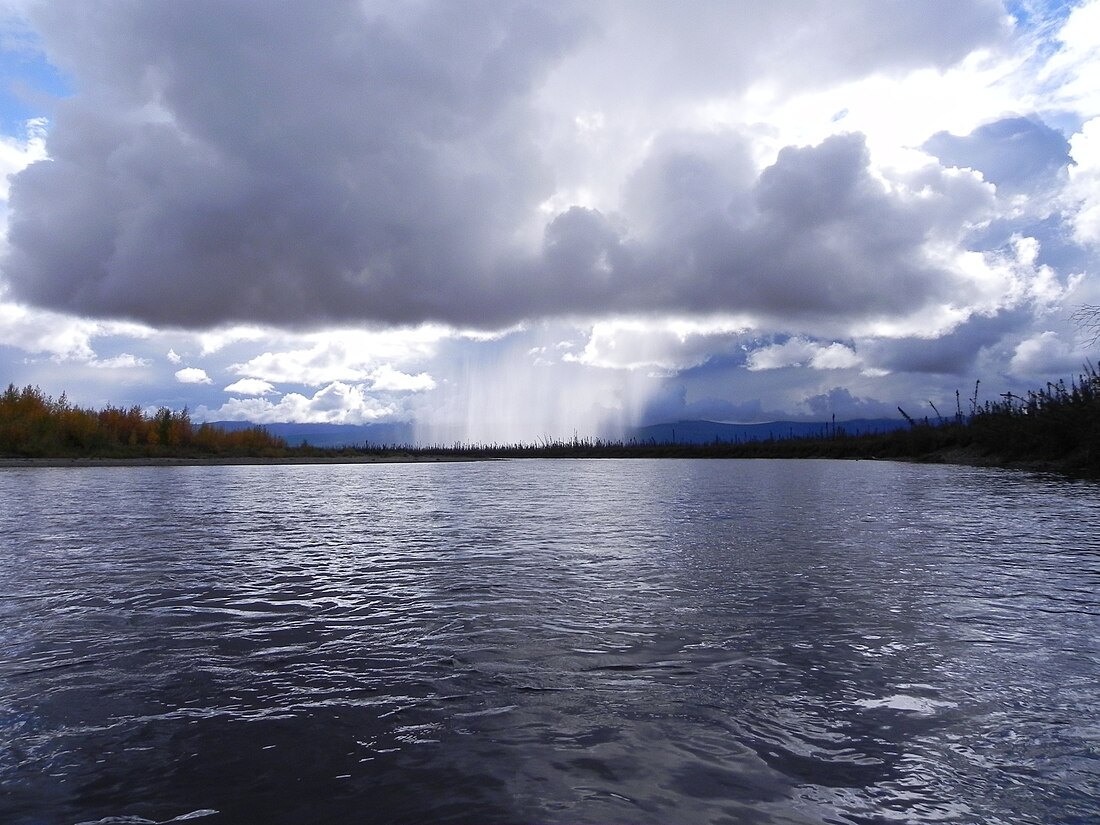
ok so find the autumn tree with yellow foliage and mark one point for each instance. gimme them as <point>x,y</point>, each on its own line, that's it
<point>32,424</point>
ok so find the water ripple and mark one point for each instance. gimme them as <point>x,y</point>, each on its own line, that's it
<point>787,642</point>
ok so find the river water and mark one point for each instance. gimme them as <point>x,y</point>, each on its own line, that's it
<point>549,641</point>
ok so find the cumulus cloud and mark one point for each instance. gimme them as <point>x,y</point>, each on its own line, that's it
<point>814,236</point>
<point>193,375</point>
<point>800,352</point>
<point>1046,355</point>
<point>336,403</point>
<point>51,334</point>
<point>670,344</point>
<point>351,356</point>
<point>283,164</point>
<point>250,386</point>
<point>1084,190</point>
<point>512,220</point>
<point>951,354</point>
<point>210,168</point>
<point>388,379</point>
<point>1018,154</point>
<point>60,337</point>
<point>19,152</point>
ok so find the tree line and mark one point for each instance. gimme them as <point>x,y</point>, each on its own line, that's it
<point>32,424</point>
<point>1057,427</point>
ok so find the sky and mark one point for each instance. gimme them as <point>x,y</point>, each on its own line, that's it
<point>507,221</point>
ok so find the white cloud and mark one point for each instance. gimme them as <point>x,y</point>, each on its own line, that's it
<point>316,359</point>
<point>174,358</point>
<point>46,332</point>
<point>895,112</point>
<point>387,379</point>
<point>1069,78</point>
<point>1046,356</point>
<point>995,280</point>
<point>1084,189</point>
<point>61,337</point>
<point>801,352</point>
<point>662,344</point>
<point>16,153</point>
<point>193,375</point>
<point>212,341</point>
<point>834,357</point>
<point>337,403</point>
<point>250,386</point>
<point>123,361</point>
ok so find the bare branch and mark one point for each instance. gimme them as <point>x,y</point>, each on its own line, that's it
<point>1087,318</point>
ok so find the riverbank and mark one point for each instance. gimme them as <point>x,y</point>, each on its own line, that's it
<point>395,458</point>
<point>1076,466</point>
<point>1056,429</point>
<point>968,457</point>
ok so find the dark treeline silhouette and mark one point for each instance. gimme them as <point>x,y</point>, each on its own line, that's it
<point>32,424</point>
<point>1057,428</point>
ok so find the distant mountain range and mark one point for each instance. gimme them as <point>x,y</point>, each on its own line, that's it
<point>332,435</point>
<point>708,432</point>
<point>679,432</point>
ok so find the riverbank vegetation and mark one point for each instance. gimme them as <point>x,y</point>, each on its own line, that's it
<point>34,425</point>
<point>1053,428</point>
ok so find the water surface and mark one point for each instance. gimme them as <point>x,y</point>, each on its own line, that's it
<point>549,641</point>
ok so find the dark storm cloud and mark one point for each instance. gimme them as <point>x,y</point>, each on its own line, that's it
<point>253,160</point>
<point>814,235</point>
<point>841,403</point>
<point>1018,154</point>
<point>952,354</point>
<point>296,164</point>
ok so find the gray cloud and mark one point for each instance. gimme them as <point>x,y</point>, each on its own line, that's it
<point>952,354</point>
<point>719,46</point>
<point>242,160</point>
<point>225,161</point>
<point>841,403</point>
<point>1018,154</point>
<point>814,235</point>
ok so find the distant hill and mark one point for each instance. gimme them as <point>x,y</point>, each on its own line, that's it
<point>707,432</point>
<point>679,432</point>
<point>332,435</point>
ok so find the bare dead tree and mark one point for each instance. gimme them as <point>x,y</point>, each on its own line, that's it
<point>1087,318</point>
